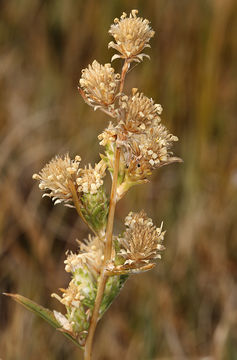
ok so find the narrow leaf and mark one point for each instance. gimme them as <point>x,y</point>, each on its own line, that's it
<point>44,313</point>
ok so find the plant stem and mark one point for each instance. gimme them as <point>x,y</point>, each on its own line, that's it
<point>112,204</point>
<point>108,236</point>
<point>107,257</point>
<point>123,74</point>
<point>95,315</point>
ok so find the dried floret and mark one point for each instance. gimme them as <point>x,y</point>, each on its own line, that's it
<point>90,255</point>
<point>91,179</point>
<point>71,296</point>
<point>99,84</point>
<point>57,176</point>
<point>63,321</point>
<point>131,34</point>
<point>108,136</point>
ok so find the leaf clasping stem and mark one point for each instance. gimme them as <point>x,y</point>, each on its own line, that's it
<point>77,204</point>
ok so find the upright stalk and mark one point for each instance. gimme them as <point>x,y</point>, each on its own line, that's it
<point>135,141</point>
<point>107,257</point>
<point>108,236</point>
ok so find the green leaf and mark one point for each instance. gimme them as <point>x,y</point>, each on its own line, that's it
<point>113,286</point>
<point>44,313</point>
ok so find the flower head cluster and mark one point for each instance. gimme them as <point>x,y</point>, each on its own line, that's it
<point>57,176</point>
<point>154,146</point>
<point>79,297</point>
<point>99,84</point>
<point>141,243</point>
<point>131,34</point>
<point>91,255</point>
<point>137,112</point>
<point>80,289</point>
<point>148,151</point>
<point>90,179</point>
<point>144,141</point>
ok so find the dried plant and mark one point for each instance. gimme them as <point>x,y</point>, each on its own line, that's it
<point>135,143</point>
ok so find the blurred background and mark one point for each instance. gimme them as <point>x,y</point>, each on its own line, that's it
<point>185,308</point>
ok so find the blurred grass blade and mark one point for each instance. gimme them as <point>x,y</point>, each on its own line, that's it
<point>41,311</point>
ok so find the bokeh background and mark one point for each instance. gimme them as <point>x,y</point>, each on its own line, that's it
<point>186,308</point>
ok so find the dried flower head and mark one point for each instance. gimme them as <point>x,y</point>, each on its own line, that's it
<point>91,256</point>
<point>76,298</point>
<point>108,136</point>
<point>141,242</point>
<point>99,84</point>
<point>137,112</point>
<point>90,179</point>
<point>56,178</point>
<point>131,34</point>
<point>79,297</point>
<point>143,152</point>
<point>155,146</point>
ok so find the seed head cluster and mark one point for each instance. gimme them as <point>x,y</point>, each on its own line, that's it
<point>56,178</point>
<point>141,243</point>
<point>131,34</point>
<point>85,268</point>
<point>99,84</point>
<point>137,112</point>
<point>80,289</point>
<point>144,141</point>
<point>148,151</point>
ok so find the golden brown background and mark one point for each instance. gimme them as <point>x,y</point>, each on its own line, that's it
<point>186,308</point>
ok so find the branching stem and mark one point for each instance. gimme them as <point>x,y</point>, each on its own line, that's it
<point>108,237</point>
